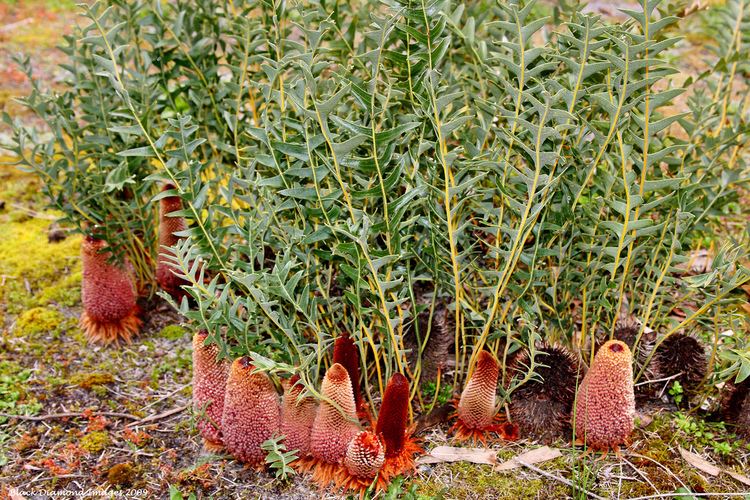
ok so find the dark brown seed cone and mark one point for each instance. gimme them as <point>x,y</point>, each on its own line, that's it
<point>682,353</point>
<point>735,406</point>
<point>542,409</point>
<point>439,348</point>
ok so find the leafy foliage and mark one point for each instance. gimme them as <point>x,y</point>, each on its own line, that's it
<point>337,160</point>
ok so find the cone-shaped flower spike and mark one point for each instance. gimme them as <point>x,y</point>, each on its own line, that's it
<point>251,412</point>
<point>334,427</point>
<point>400,446</point>
<point>364,456</point>
<point>605,405</point>
<point>109,295</point>
<point>168,226</point>
<point>297,417</point>
<point>476,408</point>
<point>209,383</point>
<point>346,354</point>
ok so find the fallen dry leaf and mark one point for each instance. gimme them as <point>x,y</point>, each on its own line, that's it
<point>699,462</point>
<point>453,454</point>
<point>535,456</point>
<point>739,477</point>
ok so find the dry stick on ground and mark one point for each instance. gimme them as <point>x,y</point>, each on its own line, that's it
<point>137,420</point>
<point>53,416</point>
<point>559,479</point>
<point>176,391</point>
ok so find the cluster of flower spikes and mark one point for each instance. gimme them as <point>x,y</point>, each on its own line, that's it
<point>341,453</point>
<point>328,437</point>
<point>476,418</point>
<point>108,290</point>
<point>109,295</point>
<point>605,404</point>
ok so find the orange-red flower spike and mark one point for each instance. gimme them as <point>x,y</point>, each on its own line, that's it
<point>605,405</point>
<point>109,295</point>
<point>346,354</point>
<point>334,427</point>
<point>476,408</point>
<point>168,226</point>
<point>209,384</point>
<point>297,417</point>
<point>400,446</point>
<point>251,412</point>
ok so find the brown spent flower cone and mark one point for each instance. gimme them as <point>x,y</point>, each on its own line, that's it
<point>332,430</point>
<point>109,295</point>
<point>735,406</point>
<point>297,417</point>
<point>346,354</point>
<point>251,412</point>
<point>605,405</point>
<point>684,355</point>
<point>209,384</point>
<point>168,226</point>
<point>542,409</point>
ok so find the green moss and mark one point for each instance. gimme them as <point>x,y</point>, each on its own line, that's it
<point>37,272</point>
<point>172,332</point>
<point>39,320</point>
<point>469,481</point>
<point>89,380</point>
<point>121,474</point>
<point>96,441</point>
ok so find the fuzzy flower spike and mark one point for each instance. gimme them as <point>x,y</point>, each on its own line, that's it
<point>209,383</point>
<point>346,354</point>
<point>605,404</point>
<point>400,445</point>
<point>364,458</point>
<point>168,226</point>
<point>297,417</point>
<point>251,412</point>
<point>109,295</point>
<point>334,427</point>
<point>476,408</point>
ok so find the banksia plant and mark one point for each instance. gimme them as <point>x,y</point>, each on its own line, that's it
<point>168,226</point>
<point>108,293</point>
<point>346,354</point>
<point>297,417</point>
<point>364,458</point>
<point>542,407</point>
<point>735,406</point>
<point>476,408</point>
<point>400,446</point>
<point>209,384</point>
<point>251,412</point>
<point>605,404</point>
<point>683,357</point>
<point>334,425</point>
